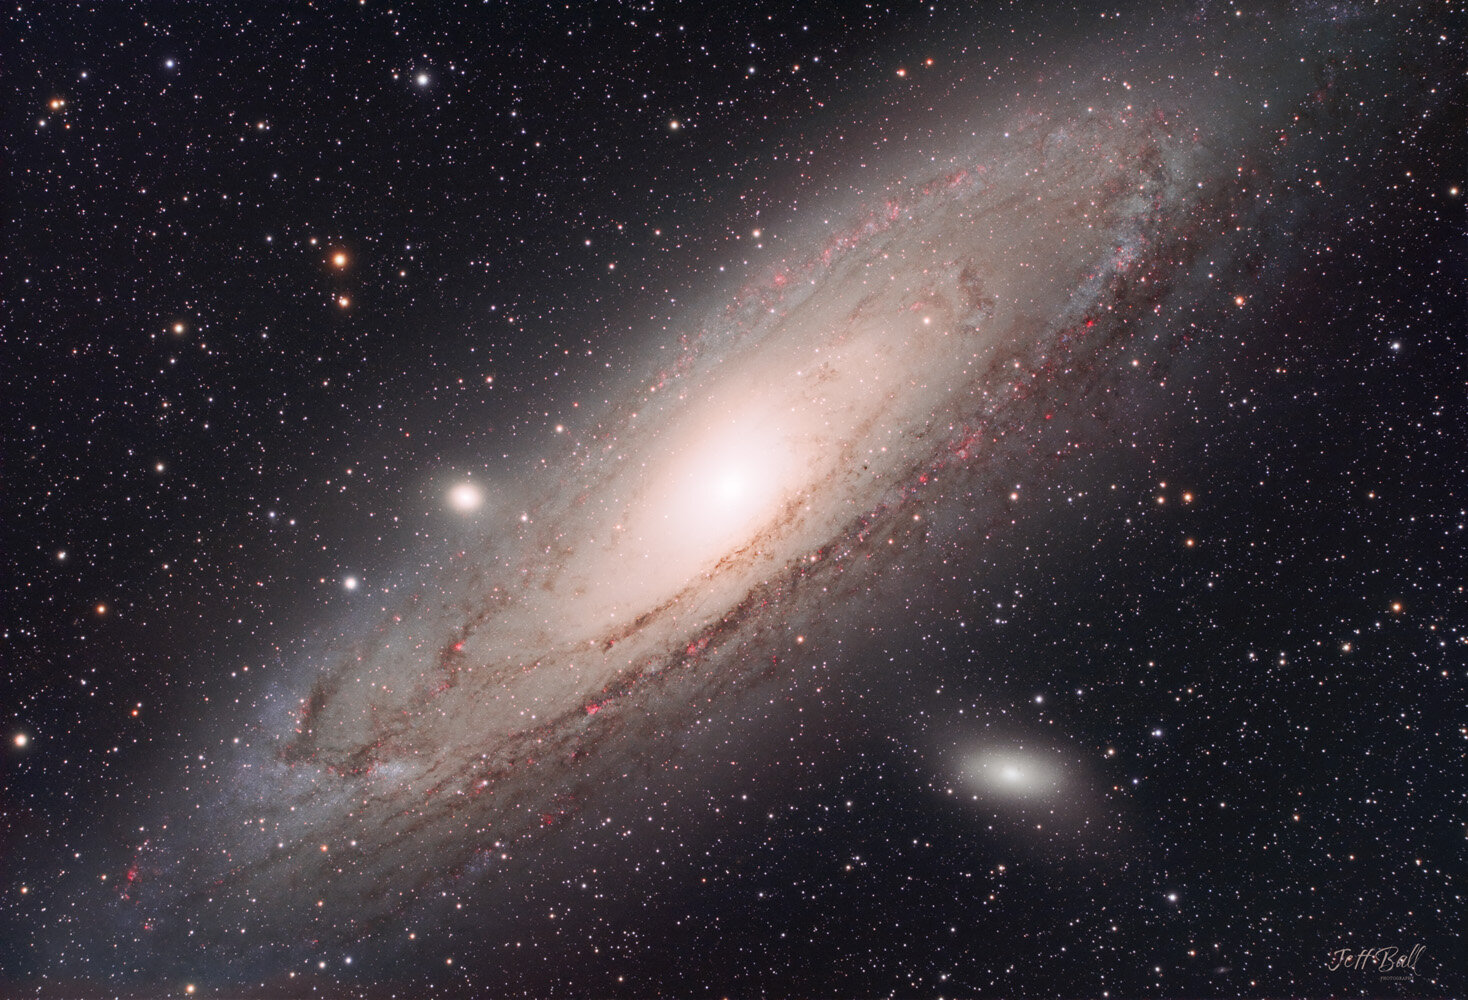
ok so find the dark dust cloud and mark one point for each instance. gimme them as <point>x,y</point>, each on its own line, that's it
<point>633,501</point>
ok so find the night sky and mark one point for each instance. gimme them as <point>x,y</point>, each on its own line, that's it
<point>636,500</point>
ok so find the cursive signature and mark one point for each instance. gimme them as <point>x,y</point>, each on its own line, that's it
<point>1384,959</point>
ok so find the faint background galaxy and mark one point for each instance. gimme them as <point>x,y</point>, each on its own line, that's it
<point>683,500</point>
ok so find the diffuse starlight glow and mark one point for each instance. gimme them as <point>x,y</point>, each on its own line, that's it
<point>1014,773</point>
<point>465,497</point>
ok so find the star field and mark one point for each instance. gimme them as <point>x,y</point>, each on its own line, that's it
<point>692,500</point>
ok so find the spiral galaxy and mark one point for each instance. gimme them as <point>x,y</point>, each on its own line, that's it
<point>978,311</point>
<point>764,474</point>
